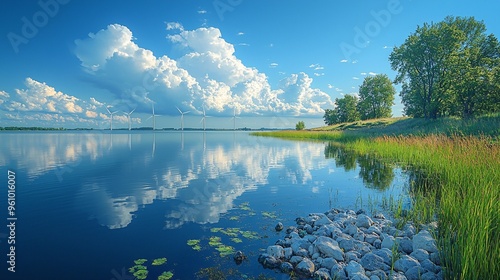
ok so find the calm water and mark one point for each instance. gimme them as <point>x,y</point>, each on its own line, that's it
<point>89,204</point>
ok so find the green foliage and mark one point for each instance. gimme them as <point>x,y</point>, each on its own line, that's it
<point>159,261</point>
<point>449,68</point>
<point>195,244</point>
<point>376,96</point>
<point>345,111</point>
<point>140,261</point>
<point>166,275</point>
<point>300,126</point>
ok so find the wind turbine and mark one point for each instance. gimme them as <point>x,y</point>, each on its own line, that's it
<point>154,117</point>
<point>111,120</point>
<point>234,119</point>
<point>128,116</point>
<point>204,118</point>
<point>182,117</point>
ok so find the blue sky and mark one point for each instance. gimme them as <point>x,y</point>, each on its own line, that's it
<point>65,61</point>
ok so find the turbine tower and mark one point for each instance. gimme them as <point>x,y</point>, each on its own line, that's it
<point>111,119</point>
<point>128,116</point>
<point>234,119</point>
<point>182,117</point>
<point>204,118</point>
<point>153,116</point>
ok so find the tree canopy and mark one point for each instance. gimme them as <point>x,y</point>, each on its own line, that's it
<point>448,68</point>
<point>345,110</point>
<point>376,96</point>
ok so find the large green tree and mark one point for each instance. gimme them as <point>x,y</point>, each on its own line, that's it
<point>448,68</point>
<point>376,96</point>
<point>345,110</point>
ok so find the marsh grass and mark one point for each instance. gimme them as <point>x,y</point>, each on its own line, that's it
<point>457,182</point>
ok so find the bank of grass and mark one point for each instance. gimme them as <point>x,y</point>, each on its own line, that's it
<point>461,185</point>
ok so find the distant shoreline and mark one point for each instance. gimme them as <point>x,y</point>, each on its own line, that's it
<point>15,128</point>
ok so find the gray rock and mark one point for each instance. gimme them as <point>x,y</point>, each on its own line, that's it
<point>429,276</point>
<point>322,274</point>
<point>286,267</point>
<point>288,252</point>
<point>385,254</point>
<point>352,256</point>
<point>322,221</point>
<point>354,268</point>
<point>420,255</point>
<point>315,256</point>
<point>338,272</point>
<point>388,242</point>
<point>359,277</point>
<point>298,244</point>
<point>276,251</point>
<point>370,261</point>
<point>305,267</point>
<point>434,257</point>
<point>363,221</point>
<point>308,228</point>
<point>295,260</point>
<point>370,238</point>
<point>351,229</point>
<point>430,266</point>
<point>302,253</point>
<point>346,244</point>
<point>364,250</point>
<point>424,240</point>
<point>397,276</point>
<point>405,263</point>
<point>409,230</point>
<point>374,277</point>
<point>404,244</point>
<point>269,261</point>
<point>377,243</point>
<point>415,273</point>
<point>360,236</point>
<point>380,274</point>
<point>279,226</point>
<point>373,229</point>
<point>328,263</point>
<point>329,248</point>
<point>379,216</point>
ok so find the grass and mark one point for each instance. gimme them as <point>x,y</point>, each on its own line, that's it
<point>457,177</point>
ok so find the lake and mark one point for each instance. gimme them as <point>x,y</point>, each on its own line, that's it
<point>87,204</point>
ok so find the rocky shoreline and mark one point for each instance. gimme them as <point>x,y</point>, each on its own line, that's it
<point>343,244</point>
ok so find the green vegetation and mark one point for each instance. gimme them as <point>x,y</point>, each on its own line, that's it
<point>300,125</point>
<point>140,271</point>
<point>376,96</point>
<point>195,244</point>
<point>455,167</point>
<point>166,275</point>
<point>159,261</point>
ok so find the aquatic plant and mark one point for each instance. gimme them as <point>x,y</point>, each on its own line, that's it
<point>140,261</point>
<point>249,234</point>
<point>245,206</point>
<point>225,250</point>
<point>236,240</point>
<point>159,261</point>
<point>166,275</point>
<point>270,215</point>
<point>195,244</point>
<point>215,241</point>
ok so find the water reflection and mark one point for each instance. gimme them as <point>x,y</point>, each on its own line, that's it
<point>375,173</point>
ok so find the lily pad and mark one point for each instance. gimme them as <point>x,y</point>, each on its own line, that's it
<point>141,274</point>
<point>195,244</point>
<point>137,267</point>
<point>215,229</point>
<point>270,215</point>
<point>140,261</point>
<point>236,240</point>
<point>233,232</point>
<point>250,234</point>
<point>225,250</point>
<point>215,241</point>
<point>166,275</point>
<point>245,206</point>
<point>234,218</point>
<point>159,261</point>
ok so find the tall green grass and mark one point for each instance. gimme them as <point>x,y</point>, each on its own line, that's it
<point>461,185</point>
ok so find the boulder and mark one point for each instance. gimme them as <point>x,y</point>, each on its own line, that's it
<point>286,267</point>
<point>328,263</point>
<point>322,274</point>
<point>329,248</point>
<point>415,273</point>
<point>363,221</point>
<point>370,261</point>
<point>385,254</point>
<point>424,240</point>
<point>279,227</point>
<point>276,251</point>
<point>305,267</point>
<point>354,268</point>
<point>404,263</point>
<point>420,255</point>
<point>388,242</point>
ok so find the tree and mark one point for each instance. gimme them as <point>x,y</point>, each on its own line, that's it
<point>376,96</point>
<point>330,117</point>
<point>300,125</point>
<point>346,110</point>
<point>448,68</point>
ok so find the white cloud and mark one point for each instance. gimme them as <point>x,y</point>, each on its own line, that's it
<point>354,62</point>
<point>208,73</point>
<point>363,73</point>
<point>355,78</point>
<point>243,44</point>
<point>240,33</point>
<point>372,73</point>
<point>385,47</point>
<point>174,26</point>
<point>202,12</point>
<point>343,61</point>
<point>330,86</point>
<point>319,74</point>
<point>273,65</point>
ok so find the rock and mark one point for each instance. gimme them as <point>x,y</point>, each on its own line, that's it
<point>420,255</point>
<point>354,268</point>
<point>380,274</point>
<point>405,263</point>
<point>434,257</point>
<point>359,277</point>
<point>346,244</point>
<point>276,251</point>
<point>269,261</point>
<point>363,221</point>
<point>295,260</point>
<point>288,253</point>
<point>360,211</point>
<point>315,256</point>
<point>429,276</point>
<point>404,244</point>
<point>351,229</point>
<point>328,263</point>
<point>397,276</point>
<point>415,273</point>
<point>360,236</point>
<point>370,261</point>
<point>308,228</point>
<point>377,243</point>
<point>409,230</point>
<point>370,238</point>
<point>329,248</point>
<point>385,254</point>
<point>302,253</point>
<point>322,221</point>
<point>351,256</point>
<point>300,221</point>
<point>364,250</point>
<point>373,229</point>
<point>430,266</point>
<point>338,272</point>
<point>322,274</point>
<point>279,227</point>
<point>286,267</point>
<point>239,257</point>
<point>424,240</point>
<point>379,216</point>
<point>291,229</point>
<point>388,242</point>
<point>298,244</point>
<point>305,267</point>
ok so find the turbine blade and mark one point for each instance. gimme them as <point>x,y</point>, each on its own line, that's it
<point>108,110</point>
<point>178,109</point>
<point>187,112</point>
<point>132,111</point>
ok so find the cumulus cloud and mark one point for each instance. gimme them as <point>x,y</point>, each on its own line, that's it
<point>273,65</point>
<point>202,12</point>
<point>355,78</point>
<point>343,61</point>
<point>372,73</point>
<point>208,73</point>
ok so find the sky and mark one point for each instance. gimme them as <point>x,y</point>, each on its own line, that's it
<point>69,63</point>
